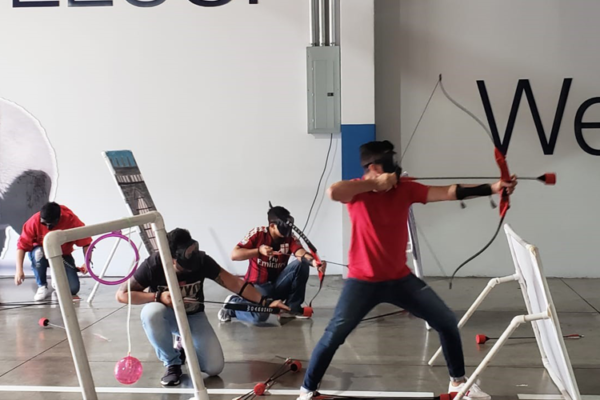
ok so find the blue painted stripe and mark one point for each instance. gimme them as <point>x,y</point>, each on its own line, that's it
<point>121,158</point>
<point>353,136</point>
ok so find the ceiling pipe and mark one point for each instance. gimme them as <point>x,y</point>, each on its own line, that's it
<point>314,22</point>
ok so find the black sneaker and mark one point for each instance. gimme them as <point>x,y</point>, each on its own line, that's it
<point>172,376</point>
<point>182,356</point>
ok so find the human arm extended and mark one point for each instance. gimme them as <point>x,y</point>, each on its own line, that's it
<point>462,191</point>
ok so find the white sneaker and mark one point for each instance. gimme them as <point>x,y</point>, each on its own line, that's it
<point>52,278</point>
<point>225,314</point>
<point>305,395</point>
<point>41,293</point>
<point>474,392</point>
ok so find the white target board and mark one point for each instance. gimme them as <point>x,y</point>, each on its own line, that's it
<point>537,297</point>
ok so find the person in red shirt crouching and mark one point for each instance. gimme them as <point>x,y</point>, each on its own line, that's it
<point>52,216</point>
<point>378,206</point>
<point>269,249</point>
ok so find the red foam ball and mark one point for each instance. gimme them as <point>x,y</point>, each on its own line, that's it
<point>128,370</point>
<point>481,339</point>
<point>296,366</point>
<point>43,322</point>
<point>260,388</point>
<point>308,312</point>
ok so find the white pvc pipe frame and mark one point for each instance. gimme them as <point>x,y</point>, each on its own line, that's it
<point>514,324</point>
<point>491,284</point>
<point>52,249</point>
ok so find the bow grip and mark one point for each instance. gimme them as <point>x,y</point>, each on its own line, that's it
<point>316,257</point>
<point>501,161</point>
<point>505,176</point>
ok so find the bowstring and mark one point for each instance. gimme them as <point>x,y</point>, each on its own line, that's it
<point>419,121</point>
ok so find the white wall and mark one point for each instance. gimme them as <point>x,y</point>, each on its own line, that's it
<point>358,80</point>
<point>358,63</point>
<point>501,42</point>
<point>212,101</point>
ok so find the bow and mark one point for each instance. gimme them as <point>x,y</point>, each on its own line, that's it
<point>313,252</point>
<point>500,158</point>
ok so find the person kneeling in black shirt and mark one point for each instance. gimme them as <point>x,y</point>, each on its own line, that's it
<point>158,317</point>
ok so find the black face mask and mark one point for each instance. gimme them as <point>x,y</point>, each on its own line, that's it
<point>284,224</point>
<point>189,263</point>
<point>188,255</point>
<point>284,228</point>
<point>388,164</point>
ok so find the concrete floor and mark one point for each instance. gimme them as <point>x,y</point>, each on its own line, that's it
<point>388,354</point>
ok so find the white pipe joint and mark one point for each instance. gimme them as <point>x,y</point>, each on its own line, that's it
<point>55,239</point>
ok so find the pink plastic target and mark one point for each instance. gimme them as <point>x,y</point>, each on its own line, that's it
<point>88,257</point>
<point>128,370</point>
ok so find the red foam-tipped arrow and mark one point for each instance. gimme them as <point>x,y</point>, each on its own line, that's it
<point>481,339</point>
<point>548,178</point>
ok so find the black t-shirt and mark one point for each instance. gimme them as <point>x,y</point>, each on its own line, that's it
<point>150,274</point>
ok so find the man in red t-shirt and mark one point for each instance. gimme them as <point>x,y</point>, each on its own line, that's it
<point>378,206</point>
<point>269,249</point>
<point>52,216</point>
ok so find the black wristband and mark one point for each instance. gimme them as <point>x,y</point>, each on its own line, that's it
<point>246,283</point>
<point>305,259</point>
<point>265,301</point>
<point>475,191</point>
<point>157,296</point>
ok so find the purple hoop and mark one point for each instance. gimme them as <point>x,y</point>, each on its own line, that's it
<point>88,256</point>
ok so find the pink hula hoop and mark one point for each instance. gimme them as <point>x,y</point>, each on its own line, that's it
<point>88,256</point>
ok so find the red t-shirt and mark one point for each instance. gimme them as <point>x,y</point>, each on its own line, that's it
<point>379,232</point>
<point>265,269</point>
<point>33,231</point>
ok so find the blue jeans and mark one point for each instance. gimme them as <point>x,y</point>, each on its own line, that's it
<point>160,325</point>
<point>359,297</point>
<point>289,286</point>
<point>40,264</point>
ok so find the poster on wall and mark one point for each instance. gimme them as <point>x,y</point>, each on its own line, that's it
<point>28,176</point>
<point>129,178</point>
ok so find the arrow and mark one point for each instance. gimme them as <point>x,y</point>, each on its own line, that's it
<point>548,178</point>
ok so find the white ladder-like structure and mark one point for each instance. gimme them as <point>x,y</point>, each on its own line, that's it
<point>541,313</point>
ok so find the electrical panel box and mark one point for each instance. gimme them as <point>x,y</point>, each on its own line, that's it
<point>324,98</point>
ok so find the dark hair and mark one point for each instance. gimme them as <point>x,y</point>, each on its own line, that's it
<point>374,152</point>
<point>278,213</point>
<point>178,238</point>
<point>50,212</point>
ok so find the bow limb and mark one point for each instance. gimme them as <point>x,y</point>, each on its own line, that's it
<point>504,176</point>
<point>313,252</point>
